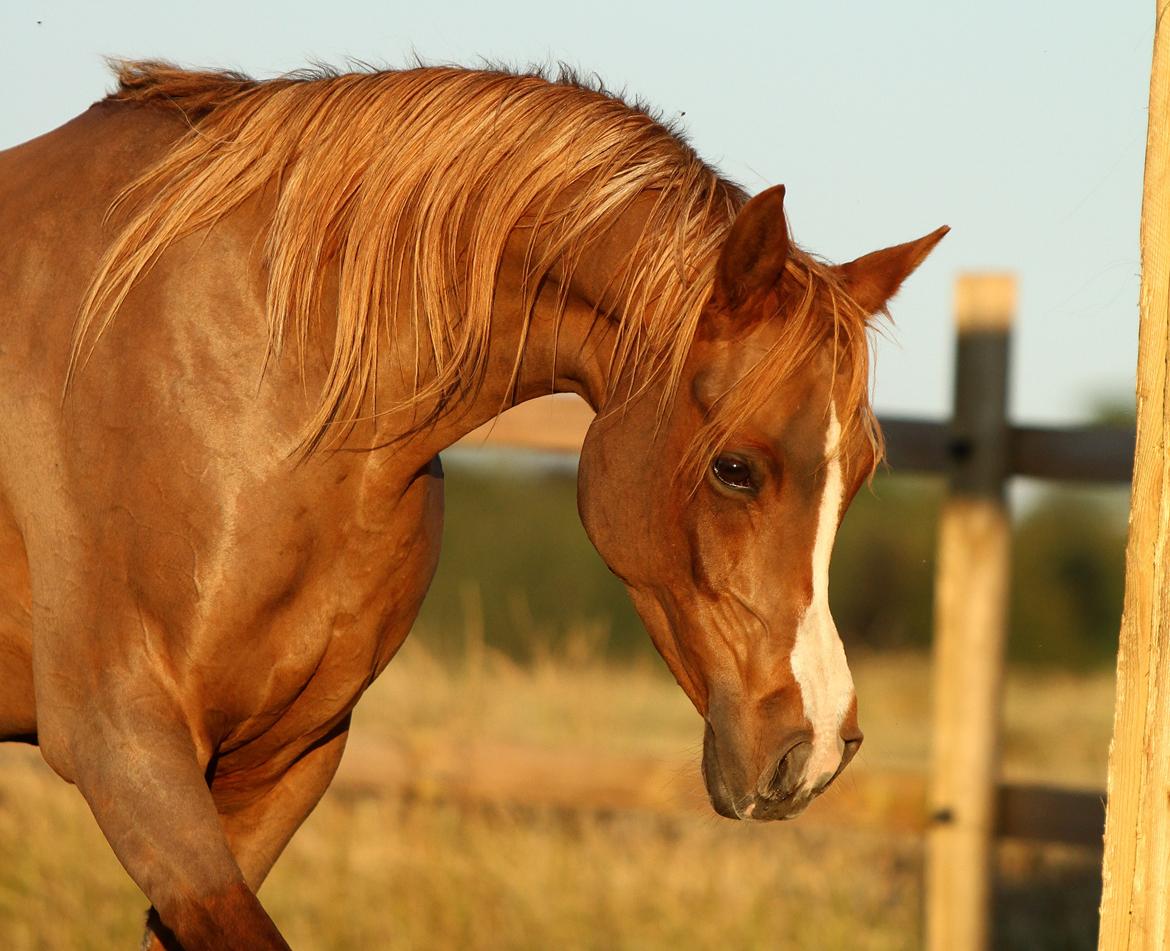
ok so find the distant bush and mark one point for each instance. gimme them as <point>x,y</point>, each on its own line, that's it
<point>881,583</point>
<point>1068,571</point>
<point>1069,578</point>
<point>517,563</point>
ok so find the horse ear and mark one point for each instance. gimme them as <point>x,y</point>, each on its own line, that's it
<point>873,279</point>
<point>756,249</point>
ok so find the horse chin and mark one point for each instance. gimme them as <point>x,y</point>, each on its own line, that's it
<point>717,791</point>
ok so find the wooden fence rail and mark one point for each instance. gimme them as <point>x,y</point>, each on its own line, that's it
<point>1102,454</point>
<point>476,773</point>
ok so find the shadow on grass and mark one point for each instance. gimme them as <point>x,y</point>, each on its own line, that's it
<point>1046,898</point>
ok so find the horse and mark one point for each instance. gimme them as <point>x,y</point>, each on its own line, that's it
<point>241,320</point>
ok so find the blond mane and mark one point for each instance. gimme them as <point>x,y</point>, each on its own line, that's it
<point>411,183</point>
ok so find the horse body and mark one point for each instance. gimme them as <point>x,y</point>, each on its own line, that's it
<point>178,482</point>
<point>190,606</point>
<point>261,597</point>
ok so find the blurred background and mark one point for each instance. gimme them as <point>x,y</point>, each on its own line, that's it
<point>525,774</point>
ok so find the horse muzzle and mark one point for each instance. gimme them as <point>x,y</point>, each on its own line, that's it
<point>785,786</point>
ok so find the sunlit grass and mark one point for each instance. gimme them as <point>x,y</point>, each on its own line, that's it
<point>371,870</point>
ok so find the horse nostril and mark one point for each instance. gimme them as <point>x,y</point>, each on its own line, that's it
<point>789,773</point>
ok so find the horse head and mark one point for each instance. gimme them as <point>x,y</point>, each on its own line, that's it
<point>727,560</point>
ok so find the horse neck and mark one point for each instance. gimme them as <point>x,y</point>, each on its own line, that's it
<point>562,342</point>
<point>558,346</point>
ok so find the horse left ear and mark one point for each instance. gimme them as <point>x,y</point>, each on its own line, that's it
<point>755,251</point>
<point>873,279</point>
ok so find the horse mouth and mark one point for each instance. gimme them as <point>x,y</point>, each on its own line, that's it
<point>772,810</point>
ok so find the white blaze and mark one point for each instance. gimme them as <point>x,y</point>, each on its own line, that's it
<point>818,658</point>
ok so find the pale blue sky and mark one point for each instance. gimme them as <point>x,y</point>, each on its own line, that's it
<point>1020,124</point>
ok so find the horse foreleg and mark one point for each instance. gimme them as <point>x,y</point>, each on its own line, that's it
<point>260,823</point>
<point>136,764</point>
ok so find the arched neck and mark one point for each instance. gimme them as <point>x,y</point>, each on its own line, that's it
<point>561,342</point>
<point>558,349</point>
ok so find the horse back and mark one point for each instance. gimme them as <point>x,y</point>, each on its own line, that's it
<point>55,191</point>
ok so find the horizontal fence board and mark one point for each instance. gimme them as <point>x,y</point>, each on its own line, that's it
<point>1046,814</point>
<point>1076,454</point>
<point>916,445</point>
<point>551,423</point>
<point>1072,454</point>
<point>482,773</point>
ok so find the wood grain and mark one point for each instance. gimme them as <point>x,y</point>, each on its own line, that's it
<point>1135,904</point>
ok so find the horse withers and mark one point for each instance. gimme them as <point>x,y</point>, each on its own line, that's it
<point>239,322</point>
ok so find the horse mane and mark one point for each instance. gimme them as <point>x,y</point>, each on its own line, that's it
<point>411,182</point>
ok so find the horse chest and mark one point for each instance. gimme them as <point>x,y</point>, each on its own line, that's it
<point>329,637</point>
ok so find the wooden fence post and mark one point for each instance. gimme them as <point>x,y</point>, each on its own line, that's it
<point>1135,900</point>
<point>974,556</point>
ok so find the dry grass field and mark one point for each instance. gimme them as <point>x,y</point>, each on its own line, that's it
<point>374,868</point>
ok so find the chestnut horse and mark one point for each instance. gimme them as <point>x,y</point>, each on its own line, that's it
<point>239,322</point>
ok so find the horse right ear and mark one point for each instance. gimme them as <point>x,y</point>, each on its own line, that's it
<point>752,260</point>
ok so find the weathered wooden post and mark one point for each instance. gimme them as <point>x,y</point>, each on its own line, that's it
<point>1135,902</point>
<point>971,590</point>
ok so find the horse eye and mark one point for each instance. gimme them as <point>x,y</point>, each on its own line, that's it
<point>733,473</point>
